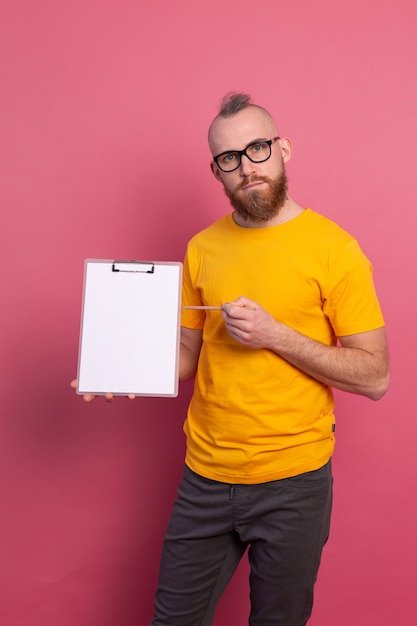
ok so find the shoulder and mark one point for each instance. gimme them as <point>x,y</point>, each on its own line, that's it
<point>325,227</point>
<point>211,233</point>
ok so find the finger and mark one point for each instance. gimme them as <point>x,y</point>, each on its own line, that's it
<point>131,396</point>
<point>108,397</point>
<point>88,397</point>
<point>238,312</point>
<point>242,301</point>
<point>74,383</point>
<point>233,310</point>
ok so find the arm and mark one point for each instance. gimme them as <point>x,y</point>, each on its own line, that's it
<point>190,345</point>
<point>359,365</point>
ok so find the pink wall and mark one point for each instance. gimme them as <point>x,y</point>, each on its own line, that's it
<point>104,112</point>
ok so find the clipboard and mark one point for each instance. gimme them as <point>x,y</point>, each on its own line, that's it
<point>130,328</point>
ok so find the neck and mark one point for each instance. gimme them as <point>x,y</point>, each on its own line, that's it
<point>287,212</point>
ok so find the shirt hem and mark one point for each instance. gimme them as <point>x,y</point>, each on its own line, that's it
<point>239,479</point>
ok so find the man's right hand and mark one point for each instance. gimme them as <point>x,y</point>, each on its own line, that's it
<point>88,397</point>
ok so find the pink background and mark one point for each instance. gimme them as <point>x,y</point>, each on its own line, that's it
<point>104,112</point>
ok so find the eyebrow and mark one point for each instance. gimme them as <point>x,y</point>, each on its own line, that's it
<point>258,140</point>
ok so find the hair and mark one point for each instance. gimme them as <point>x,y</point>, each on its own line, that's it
<point>234,102</point>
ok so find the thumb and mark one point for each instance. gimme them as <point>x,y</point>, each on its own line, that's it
<point>244,302</point>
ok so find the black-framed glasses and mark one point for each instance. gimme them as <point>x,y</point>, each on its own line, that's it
<point>257,152</point>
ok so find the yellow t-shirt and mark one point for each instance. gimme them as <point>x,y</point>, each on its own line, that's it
<point>253,417</point>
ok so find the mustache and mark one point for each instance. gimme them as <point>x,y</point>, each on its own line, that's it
<point>252,179</point>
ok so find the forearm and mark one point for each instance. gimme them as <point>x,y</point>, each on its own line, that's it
<point>187,364</point>
<point>359,365</point>
<point>190,345</point>
<point>352,369</point>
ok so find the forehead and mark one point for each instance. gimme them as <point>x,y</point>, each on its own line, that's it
<point>237,131</point>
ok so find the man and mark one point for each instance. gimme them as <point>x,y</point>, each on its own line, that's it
<point>297,314</point>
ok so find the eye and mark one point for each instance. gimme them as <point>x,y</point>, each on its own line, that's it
<point>256,148</point>
<point>229,157</point>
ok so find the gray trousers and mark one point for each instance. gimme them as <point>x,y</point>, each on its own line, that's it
<point>283,524</point>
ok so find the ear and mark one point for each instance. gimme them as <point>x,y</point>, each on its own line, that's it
<point>286,148</point>
<point>215,170</point>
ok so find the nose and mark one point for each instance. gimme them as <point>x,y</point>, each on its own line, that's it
<point>246,166</point>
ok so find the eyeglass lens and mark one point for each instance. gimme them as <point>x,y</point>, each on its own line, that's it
<point>256,152</point>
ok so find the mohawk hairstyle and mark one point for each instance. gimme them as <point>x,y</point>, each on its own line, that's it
<point>234,102</point>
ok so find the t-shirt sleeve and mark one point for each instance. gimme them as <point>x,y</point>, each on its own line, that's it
<point>190,295</point>
<point>350,300</point>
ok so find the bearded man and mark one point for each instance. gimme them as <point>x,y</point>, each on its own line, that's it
<point>280,308</point>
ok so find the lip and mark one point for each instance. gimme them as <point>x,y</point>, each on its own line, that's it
<point>255,183</point>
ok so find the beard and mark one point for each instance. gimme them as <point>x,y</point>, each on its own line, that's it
<point>260,206</point>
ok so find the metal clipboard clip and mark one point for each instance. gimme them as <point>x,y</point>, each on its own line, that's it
<point>142,267</point>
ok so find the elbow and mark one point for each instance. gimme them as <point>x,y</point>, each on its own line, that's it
<point>185,373</point>
<point>380,387</point>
